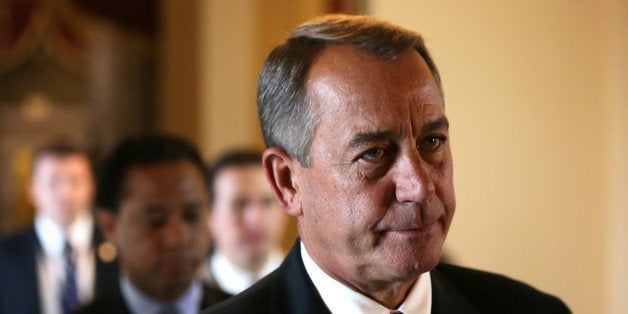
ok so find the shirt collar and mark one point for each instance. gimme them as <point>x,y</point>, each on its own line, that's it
<point>52,237</point>
<point>80,231</point>
<point>342,299</point>
<point>139,302</point>
<point>234,279</point>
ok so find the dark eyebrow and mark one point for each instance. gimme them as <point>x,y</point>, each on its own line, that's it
<point>441,123</point>
<point>362,138</point>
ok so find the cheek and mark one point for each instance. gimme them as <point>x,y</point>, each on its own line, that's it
<point>201,228</point>
<point>135,240</point>
<point>445,187</point>
<point>203,238</point>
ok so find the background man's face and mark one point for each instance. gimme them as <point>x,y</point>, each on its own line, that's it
<point>161,228</point>
<point>246,220</point>
<point>61,187</point>
<point>378,198</point>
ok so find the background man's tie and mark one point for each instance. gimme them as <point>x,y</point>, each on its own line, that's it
<point>69,291</point>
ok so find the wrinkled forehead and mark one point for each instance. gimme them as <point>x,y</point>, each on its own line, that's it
<point>350,81</point>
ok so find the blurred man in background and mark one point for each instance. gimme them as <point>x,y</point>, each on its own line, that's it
<point>152,203</point>
<point>54,266</point>
<point>246,223</point>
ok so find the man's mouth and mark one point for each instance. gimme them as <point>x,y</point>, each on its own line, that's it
<point>413,230</point>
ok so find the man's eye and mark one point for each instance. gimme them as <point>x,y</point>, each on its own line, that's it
<point>154,216</point>
<point>239,204</point>
<point>191,215</point>
<point>374,153</point>
<point>267,202</point>
<point>432,142</point>
<point>192,211</point>
<point>156,220</point>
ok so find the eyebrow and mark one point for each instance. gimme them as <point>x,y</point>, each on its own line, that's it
<point>369,137</point>
<point>362,138</point>
<point>440,123</point>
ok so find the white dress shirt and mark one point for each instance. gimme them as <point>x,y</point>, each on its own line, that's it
<point>140,303</point>
<point>50,264</point>
<point>234,279</point>
<point>342,299</point>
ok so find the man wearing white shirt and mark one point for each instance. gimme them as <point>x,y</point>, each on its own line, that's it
<point>246,222</point>
<point>353,116</point>
<point>32,263</point>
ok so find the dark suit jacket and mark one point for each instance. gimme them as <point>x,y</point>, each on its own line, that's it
<point>19,289</point>
<point>113,302</point>
<point>455,290</point>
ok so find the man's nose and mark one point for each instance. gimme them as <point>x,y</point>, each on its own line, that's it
<point>413,182</point>
<point>253,214</point>
<point>176,231</point>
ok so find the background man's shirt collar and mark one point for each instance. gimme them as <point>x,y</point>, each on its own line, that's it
<point>139,303</point>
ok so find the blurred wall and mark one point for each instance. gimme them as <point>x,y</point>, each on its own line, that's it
<point>211,53</point>
<point>537,93</point>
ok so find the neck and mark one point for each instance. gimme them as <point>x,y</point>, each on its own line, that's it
<point>390,296</point>
<point>251,263</point>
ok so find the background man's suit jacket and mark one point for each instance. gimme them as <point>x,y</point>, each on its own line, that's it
<point>113,302</point>
<point>19,289</point>
<point>455,290</point>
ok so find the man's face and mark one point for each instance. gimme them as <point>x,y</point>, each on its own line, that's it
<point>378,198</point>
<point>246,221</point>
<point>61,187</point>
<point>160,229</point>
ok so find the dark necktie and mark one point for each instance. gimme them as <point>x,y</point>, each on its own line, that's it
<point>69,291</point>
<point>169,309</point>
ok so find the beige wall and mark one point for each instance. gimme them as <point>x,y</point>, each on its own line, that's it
<point>236,37</point>
<point>179,59</point>
<point>536,92</point>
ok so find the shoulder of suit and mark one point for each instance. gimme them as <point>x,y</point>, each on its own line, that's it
<point>486,289</point>
<point>20,240</point>
<point>255,299</point>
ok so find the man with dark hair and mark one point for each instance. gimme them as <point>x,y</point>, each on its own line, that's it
<point>152,205</point>
<point>357,140</point>
<point>53,267</point>
<point>246,222</point>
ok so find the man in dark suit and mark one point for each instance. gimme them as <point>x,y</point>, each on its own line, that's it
<point>152,203</point>
<point>33,276</point>
<point>357,140</point>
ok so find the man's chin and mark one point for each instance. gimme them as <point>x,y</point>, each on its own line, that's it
<point>414,263</point>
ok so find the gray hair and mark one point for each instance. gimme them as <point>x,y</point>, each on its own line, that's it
<point>287,118</point>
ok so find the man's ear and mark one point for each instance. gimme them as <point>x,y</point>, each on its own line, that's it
<point>107,224</point>
<point>280,169</point>
<point>107,251</point>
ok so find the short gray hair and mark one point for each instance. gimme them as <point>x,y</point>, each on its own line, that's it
<point>287,118</point>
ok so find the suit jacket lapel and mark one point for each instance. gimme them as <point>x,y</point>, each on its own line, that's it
<point>446,298</point>
<point>294,291</point>
<point>212,295</point>
<point>28,256</point>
